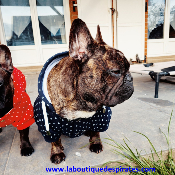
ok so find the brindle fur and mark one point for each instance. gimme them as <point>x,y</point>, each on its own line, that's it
<point>57,154</point>
<point>93,75</point>
<point>6,97</point>
<point>95,142</point>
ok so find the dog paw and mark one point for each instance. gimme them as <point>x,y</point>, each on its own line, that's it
<point>26,150</point>
<point>97,148</point>
<point>57,158</point>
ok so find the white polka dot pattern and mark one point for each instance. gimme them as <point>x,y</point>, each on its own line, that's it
<point>21,115</point>
<point>99,122</point>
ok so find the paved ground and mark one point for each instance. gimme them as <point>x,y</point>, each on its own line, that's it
<point>140,113</point>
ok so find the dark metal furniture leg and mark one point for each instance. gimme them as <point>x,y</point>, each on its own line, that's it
<point>157,79</point>
<point>157,76</point>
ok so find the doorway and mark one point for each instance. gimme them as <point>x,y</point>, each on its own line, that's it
<point>34,30</point>
<point>161,28</point>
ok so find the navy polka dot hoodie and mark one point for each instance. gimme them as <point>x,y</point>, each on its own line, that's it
<point>51,125</point>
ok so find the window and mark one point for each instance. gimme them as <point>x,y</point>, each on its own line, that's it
<point>51,21</point>
<point>17,22</point>
<point>172,19</point>
<point>156,15</point>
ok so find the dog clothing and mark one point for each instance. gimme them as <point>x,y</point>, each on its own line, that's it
<point>21,115</point>
<point>50,124</point>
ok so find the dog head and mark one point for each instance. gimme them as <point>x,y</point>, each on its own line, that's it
<point>6,70</point>
<point>104,77</point>
<point>93,75</point>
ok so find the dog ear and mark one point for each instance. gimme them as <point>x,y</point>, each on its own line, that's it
<point>99,36</point>
<point>81,43</point>
<point>5,58</point>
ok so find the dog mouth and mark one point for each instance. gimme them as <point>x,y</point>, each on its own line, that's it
<point>2,98</point>
<point>120,96</point>
<point>2,101</point>
<point>120,92</point>
<point>2,105</point>
<point>125,93</point>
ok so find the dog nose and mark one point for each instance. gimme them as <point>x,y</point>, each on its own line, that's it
<point>1,82</point>
<point>128,77</point>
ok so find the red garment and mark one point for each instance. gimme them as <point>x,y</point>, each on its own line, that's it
<point>21,115</point>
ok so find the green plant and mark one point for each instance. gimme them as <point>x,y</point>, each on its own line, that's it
<point>135,160</point>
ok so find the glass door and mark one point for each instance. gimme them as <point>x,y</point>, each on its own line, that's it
<point>34,30</point>
<point>17,22</point>
<point>51,21</point>
<point>156,19</point>
<point>161,28</point>
<point>172,19</point>
<point>16,31</point>
<point>52,26</point>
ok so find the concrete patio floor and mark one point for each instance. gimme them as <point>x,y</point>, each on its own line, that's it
<point>142,113</point>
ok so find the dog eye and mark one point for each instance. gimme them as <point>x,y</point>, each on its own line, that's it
<point>10,70</point>
<point>117,72</point>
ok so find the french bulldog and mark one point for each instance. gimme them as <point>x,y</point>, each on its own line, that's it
<point>15,105</point>
<point>81,86</point>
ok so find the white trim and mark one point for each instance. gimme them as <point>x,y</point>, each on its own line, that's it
<point>115,24</point>
<point>67,19</point>
<point>2,32</point>
<point>27,65</point>
<point>99,23</point>
<point>36,30</point>
<point>45,116</point>
<point>47,71</point>
<point>110,22</point>
<point>116,38</point>
<point>171,39</point>
<point>166,26</point>
<point>25,47</point>
<point>79,9</point>
<point>53,46</point>
<point>143,28</point>
<point>156,40</point>
<point>159,55</point>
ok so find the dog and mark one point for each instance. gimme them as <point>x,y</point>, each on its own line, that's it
<point>77,88</point>
<point>138,59</point>
<point>15,105</point>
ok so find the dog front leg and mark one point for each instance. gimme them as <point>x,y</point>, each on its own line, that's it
<point>95,142</point>
<point>57,154</point>
<point>26,147</point>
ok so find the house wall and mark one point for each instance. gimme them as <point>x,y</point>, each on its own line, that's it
<point>94,13</point>
<point>131,28</point>
<point>130,31</point>
<point>146,31</point>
